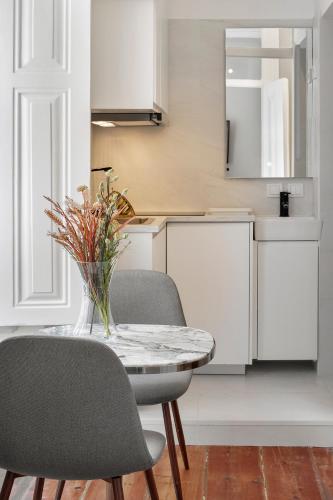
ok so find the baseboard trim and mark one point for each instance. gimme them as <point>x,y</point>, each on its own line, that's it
<point>220,370</point>
<point>254,435</point>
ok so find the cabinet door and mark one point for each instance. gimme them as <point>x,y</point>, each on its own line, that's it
<point>161,66</point>
<point>144,251</point>
<point>44,150</point>
<point>210,263</point>
<point>287,300</point>
<point>122,69</point>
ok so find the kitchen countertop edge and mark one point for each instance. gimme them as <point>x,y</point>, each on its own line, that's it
<point>159,222</point>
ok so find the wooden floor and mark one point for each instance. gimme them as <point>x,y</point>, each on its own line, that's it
<point>221,472</point>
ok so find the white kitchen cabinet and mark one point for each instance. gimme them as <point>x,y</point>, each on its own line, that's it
<point>210,263</point>
<point>161,66</point>
<point>145,251</point>
<point>44,150</point>
<point>129,55</point>
<point>287,300</point>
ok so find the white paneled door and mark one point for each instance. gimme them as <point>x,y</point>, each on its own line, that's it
<point>44,150</point>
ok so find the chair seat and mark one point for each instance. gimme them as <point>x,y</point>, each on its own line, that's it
<point>155,444</point>
<point>161,388</point>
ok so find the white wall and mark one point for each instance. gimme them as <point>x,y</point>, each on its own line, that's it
<point>326,198</point>
<point>284,10</point>
<point>326,7</point>
<point>181,166</point>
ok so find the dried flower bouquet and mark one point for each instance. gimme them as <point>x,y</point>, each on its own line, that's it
<point>91,234</point>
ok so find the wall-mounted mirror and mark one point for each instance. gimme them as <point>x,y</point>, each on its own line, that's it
<point>268,102</point>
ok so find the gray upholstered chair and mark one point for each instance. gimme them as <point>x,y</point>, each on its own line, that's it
<point>150,297</point>
<point>67,411</point>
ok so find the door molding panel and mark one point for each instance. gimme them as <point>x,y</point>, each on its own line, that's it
<point>42,35</point>
<point>40,168</point>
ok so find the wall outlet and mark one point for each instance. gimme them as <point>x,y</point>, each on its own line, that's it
<point>296,189</point>
<point>273,190</point>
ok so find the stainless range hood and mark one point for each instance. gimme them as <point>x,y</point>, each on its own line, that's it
<point>110,118</point>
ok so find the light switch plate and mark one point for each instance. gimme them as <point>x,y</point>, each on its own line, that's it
<point>296,189</point>
<point>273,190</point>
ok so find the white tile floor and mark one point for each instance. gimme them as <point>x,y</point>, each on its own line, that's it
<point>273,404</point>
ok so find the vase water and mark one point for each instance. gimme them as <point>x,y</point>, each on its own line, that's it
<point>95,316</point>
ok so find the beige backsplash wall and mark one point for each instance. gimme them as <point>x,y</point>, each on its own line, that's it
<point>181,166</point>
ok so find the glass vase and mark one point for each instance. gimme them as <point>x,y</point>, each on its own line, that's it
<point>95,316</point>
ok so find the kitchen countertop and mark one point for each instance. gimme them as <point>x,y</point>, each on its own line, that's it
<point>159,222</point>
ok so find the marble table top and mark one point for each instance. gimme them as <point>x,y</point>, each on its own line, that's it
<point>154,348</point>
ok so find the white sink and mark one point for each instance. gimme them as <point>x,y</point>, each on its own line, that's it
<point>287,228</point>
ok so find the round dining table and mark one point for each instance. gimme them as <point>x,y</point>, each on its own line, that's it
<point>153,348</point>
<point>148,349</point>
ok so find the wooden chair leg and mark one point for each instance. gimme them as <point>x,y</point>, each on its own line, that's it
<point>38,491</point>
<point>60,489</point>
<point>117,487</point>
<point>8,484</point>
<point>180,433</point>
<point>172,451</point>
<point>151,484</point>
<point>109,491</point>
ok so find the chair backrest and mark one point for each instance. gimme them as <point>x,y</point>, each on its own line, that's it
<point>67,410</point>
<point>147,297</point>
